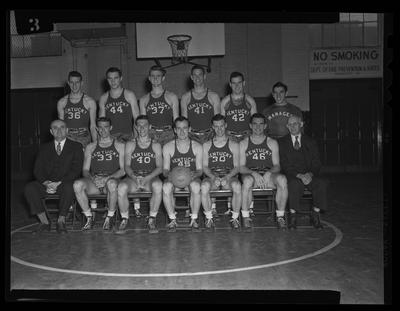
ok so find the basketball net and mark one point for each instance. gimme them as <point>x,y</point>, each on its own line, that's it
<point>179,46</point>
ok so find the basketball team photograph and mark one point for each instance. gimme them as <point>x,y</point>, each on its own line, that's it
<point>171,160</point>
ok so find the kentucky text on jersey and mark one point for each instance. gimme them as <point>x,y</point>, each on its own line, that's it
<point>200,112</point>
<point>157,107</point>
<point>182,161</point>
<point>143,154</point>
<point>113,106</point>
<point>237,111</point>
<point>219,156</point>
<point>105,160</point>
<point>159,111</point>
<point>143,160</point>
<point>76,116</point>
<point>74,110</point>
<point>258,151</point>
<point>199,105</point>
<point>105,155</point>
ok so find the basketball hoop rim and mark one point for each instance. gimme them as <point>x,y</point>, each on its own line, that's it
<point>178,38</point>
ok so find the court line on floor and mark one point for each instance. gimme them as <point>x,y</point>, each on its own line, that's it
<point>335,242</point>
<point>187,229</point>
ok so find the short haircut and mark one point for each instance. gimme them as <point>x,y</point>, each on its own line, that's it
<point>257,115</point>
<point>75,74</point>
<point>218,117</point>
<point>236,74</point>
<point>51,124</point>
<point>103,119</point>
<point>181,119</point>
<point>157,68</point>
<point>197,67</point>
<point>114,69</point>
<point>141,117</point>
<point>296,116</point>
<point>279,84</point>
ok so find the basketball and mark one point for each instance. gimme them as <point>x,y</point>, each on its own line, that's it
<point>181,176</point>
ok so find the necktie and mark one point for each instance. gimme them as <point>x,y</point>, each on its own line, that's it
<point>58,148</point>
<point>297,143</point>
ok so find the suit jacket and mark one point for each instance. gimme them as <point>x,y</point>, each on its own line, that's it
<point>288,159</point>
<point>69,162</point>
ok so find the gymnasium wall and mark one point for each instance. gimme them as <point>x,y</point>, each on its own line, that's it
<point>41,72</point>
<point>348,131</point>
<point>295,58</point>
<point>264,53</point>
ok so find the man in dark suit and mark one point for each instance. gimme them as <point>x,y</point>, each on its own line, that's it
<point>57,165</point>
<point>301,164</point>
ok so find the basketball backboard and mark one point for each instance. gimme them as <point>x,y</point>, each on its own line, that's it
<point>208,39</point>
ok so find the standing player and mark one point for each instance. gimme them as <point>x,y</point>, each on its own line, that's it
<point>221,165</point>
<point>119,105</point>
<point>78,110</point>
<point>143,164</point>
<point>186,152</point>
<point>103,165</point>
<point>259,165</point>
<point>160,106</point>
<point>199,105</point>
<point>238,107</point>
<point>277,115</point>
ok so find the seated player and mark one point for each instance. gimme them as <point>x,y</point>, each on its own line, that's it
<point>143,165</point>
<point>103,166</point>
<point>220,165</point>
<point>186,152</point>
<point>259,166</point>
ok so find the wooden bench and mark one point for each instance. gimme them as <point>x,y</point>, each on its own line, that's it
<point>267,195</point>
<point>219,194</point>
<point>223,195</point>
<point>308,199</point>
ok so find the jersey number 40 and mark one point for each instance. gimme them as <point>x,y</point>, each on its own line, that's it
<point>143,159</point>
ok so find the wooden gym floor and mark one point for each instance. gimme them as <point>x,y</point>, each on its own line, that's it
<point>346,256</point>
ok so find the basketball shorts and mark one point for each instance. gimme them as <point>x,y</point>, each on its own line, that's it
<point>238,136</point>
<point>123,137</point>
<point>201,136</point>
<point>162,135</point>
<point>80,135</point>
